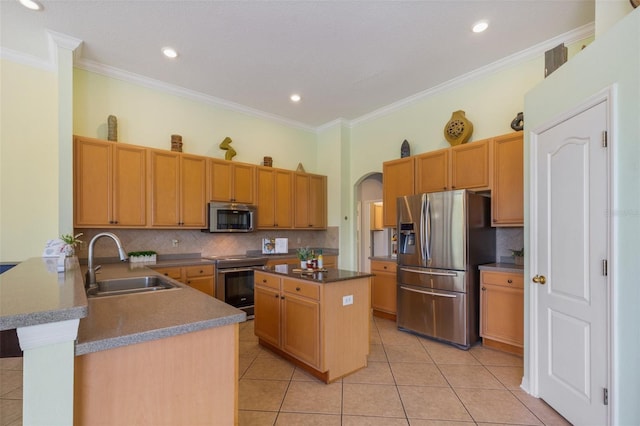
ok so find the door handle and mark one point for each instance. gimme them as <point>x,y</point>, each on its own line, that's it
<point>539,279</point>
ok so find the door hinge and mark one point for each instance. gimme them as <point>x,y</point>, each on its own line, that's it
<point>605,396</point>
<point>605,267</point>
<point>604,139</point>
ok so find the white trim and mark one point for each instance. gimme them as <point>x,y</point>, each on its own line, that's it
<point>533,52</point>
<point>62,41</point>
<point>609,96</point>
<point>47,334</point>
<point>28,60</point>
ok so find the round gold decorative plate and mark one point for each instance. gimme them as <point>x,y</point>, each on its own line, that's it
<point>458,129</point>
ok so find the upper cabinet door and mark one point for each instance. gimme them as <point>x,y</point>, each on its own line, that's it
<point>130,185</point>
<point>507,196</point>
<point>432,171</point>
<point>92,178</point>
<point>274,198</point>
<point>231,182</point>
<point>470,165</point>
<point>109,184</point>
<point>193,202</point>
<point>397,181</point>
<point>165,188</point>
<point>310,195</point>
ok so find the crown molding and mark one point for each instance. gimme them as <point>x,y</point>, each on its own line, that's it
<point>25,59</point>
<point>151,83</point>
<point>533,52</point>
<point>62,41</point>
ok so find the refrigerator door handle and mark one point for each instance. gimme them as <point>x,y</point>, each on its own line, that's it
<point>419,271</point>
<point>451,296</point>
<point>427,227</point>
<point>423,251</point>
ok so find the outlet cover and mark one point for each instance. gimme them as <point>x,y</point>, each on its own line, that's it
<point>347,300</point>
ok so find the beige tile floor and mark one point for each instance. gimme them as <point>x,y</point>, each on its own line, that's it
<point>409,381</point>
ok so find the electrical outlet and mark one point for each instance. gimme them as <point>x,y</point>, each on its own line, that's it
<point>347,300</point>
<point>299,240</point>
<point>174,243</point>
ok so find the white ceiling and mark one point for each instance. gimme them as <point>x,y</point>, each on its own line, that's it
<point>345,58</point>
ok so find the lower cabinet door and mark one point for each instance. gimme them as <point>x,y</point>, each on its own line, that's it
<point>267,314</point>
<point>301,329</point>
<point>204,284</point>
<point>502,314</point>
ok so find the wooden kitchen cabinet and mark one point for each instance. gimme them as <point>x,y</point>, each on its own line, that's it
<point>178,189</point>
<point>397,180</point>
<point>109,184</point>
<point>471,165</point>
<point>384,289</point>
<point>200,277</point>
<point>507,194</point>
<point>274,198</point>
<point>231,182</point>
<point>310,201</point>
<point>432,171</point>
<point>307,323</point>
<point>502,310</point>
<point>187,379</point>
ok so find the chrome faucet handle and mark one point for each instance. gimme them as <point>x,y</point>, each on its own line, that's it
<point>98,267</point>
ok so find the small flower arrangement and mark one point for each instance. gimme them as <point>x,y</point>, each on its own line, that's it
<point>70,243</point>
<point>142,256</point>
<point>304,253</point>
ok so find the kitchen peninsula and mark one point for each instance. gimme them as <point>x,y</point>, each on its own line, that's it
<point>317,320</point>
<point>161,357</point>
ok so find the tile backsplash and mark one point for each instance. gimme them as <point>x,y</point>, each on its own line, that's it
<point>507,239</point>
<point>195,241</point>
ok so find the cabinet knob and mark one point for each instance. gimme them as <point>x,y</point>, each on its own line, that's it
<point>384,267</point>
<point>282,297</point>
<point>484,288</point>
<point>264,280</point>
<point>510,281</point>
<point>277,296</point>
<point>166,274</point>
<point>201,271</point>
<point>297,288</point>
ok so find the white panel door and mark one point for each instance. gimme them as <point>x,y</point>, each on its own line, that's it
<point>570,231</point>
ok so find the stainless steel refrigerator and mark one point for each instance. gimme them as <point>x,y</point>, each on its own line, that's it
<point>443,237</point>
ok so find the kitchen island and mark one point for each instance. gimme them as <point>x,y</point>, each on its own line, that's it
<point>162,357</point>
<point>318,320</point>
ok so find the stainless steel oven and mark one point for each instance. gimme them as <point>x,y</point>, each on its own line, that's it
<point>234,281</point>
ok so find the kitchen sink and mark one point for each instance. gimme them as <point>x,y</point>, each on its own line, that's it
<point>120,286</point>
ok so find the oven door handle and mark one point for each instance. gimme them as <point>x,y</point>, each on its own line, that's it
<point>418,271</point>
<point>451,296</point>
<point>228,270</point>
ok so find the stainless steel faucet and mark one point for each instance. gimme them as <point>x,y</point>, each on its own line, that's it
<point>91,270</point>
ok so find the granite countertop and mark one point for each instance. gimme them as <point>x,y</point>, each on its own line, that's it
<point>116,321</point>
<point>502,267</point>
<point>331,275</point>
<point>34,293</point>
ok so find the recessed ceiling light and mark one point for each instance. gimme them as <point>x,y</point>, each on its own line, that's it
<point>31,4</point>
<point>295,97</point>
<point>169,52</point>
<point>479,27</point>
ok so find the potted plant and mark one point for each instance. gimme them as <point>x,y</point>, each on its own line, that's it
<point>518,256</point>
<point>303,255</point>
<point>70,243</point>
<point>142,256</point>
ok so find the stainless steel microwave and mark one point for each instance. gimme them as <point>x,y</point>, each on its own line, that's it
<point>231,217</point>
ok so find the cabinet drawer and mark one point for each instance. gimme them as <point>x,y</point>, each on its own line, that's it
<point>311,291</point>
<point>175,273</point>
<point>266,280</point>
<point>381,266</point>
<point>199,271</point>
<point>506,279</point>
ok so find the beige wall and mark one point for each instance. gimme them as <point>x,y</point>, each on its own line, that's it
<point>28,160</point>
<point>149,117</point>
